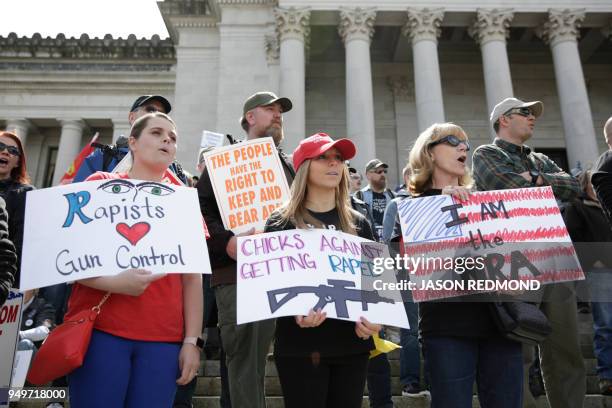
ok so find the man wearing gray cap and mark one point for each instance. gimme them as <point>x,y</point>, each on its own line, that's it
<point>509,163</point>
<point>376,194</point>
<point>246,345</point>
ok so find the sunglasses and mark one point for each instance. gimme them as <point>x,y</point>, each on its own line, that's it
<point>11,149</point>
<point>381,171</point>
<point>451,140</point>
<point>519,111</point>
<point>355,178</point>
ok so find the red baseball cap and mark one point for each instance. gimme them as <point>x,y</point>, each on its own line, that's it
<point>318,144</point>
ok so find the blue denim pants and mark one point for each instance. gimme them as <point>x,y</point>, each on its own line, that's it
<point>410,354</point>
<point>600,287</point>
<point>453,364</point>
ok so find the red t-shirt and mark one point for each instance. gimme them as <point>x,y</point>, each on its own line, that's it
<point>155,315</point>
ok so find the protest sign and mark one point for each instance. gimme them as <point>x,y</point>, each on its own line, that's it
<point>10,321</point>
<point>249,183</point>
<point>211,139</point>
<point>21,365</point>
<point>100,228</point>
<point>287,273</point>
<point>464,247</point>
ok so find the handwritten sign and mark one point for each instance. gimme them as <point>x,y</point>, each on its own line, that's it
<point>10,321</point>
<point>211,139</point>
<point>288,273</point>
<point>100,228</point>
<point>249,183</point>
<point>509,235</point>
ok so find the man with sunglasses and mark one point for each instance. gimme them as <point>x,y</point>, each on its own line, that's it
<point>509,163</point>
<point>376,195</point>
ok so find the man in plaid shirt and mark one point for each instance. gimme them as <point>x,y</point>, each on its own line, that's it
<point>509,163</point>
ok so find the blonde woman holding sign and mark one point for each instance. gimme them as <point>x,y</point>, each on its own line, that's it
<point>461,343</point>
<point>322,363</point>
<point>145,338</point>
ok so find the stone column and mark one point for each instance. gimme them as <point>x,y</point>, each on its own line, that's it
<point>356,29</point>
<point>405,119</point>
<point>121,127</point>
<point>273,57</point>
<point>20,127</point>
<point>423,30</point>
<point>490,30</point>
<point>293,26</point>
<point>560,31</point>
<point>69,146</point>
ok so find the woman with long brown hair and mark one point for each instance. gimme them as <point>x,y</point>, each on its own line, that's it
<point>14,184</point>
<point>322,363</point>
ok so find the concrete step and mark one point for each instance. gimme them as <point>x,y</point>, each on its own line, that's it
<point>211,386</point>
<point>591,401</point>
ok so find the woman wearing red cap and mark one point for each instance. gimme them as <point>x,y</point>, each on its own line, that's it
<point>322,363</point>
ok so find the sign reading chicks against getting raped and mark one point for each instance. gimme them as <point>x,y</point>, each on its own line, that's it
<point>249,183</point>
<point>100,228</point>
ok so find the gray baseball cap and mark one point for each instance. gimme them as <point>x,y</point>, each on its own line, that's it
<point>375,164</point>
<point>264,98</point>
<point>536,107</point>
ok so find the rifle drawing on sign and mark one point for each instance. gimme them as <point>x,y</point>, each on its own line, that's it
<point>336,291</point>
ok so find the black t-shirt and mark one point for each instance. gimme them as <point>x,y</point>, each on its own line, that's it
<point>332,338</point>
<point>457,317</point>
<point>379,203</point>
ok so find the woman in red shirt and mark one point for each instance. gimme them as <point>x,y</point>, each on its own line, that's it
<point>144,337</point>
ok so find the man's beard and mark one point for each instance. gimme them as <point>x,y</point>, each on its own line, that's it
<point>275,132</point>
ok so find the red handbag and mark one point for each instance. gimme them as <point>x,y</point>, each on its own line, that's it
<point>64,349</point>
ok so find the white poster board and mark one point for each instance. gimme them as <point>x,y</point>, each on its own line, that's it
<point>287,273</point>
<point>519,235</point>
<point>249,183</point>
<point>100,228</point>
<point>10,322</point>
<point>211,139</point>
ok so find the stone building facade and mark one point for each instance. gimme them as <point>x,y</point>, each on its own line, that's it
<point>376,71</point>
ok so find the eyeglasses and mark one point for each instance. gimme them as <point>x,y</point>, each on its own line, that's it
<point>519,111</point>
<point>381,171</point>
<point>451,140</point>
<point>11,149</point>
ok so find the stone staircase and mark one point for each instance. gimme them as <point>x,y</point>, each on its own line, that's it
<point>209,383</point>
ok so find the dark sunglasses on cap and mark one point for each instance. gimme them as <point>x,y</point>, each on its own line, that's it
<point>519,111</point>
<point>11,149</point>
<point>451,140</point>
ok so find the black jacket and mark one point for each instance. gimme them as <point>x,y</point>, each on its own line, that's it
<point>602,183</point>
<point>8,258</point>
<point>14,194</point>
<point>223,267</point>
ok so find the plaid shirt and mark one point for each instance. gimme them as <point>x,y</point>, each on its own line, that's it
<point>497,166</point>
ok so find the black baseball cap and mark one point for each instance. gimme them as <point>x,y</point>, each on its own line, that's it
<point>141,100</point>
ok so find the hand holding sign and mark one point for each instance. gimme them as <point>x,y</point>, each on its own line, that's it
<point>364,329</point>
<point>231,247</point>
<point>313,319</point>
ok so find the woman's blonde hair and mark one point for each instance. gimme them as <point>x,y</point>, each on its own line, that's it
<point>421,161</point>
<point>295,210</point>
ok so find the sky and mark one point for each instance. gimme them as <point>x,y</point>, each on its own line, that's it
<point>75,17</point>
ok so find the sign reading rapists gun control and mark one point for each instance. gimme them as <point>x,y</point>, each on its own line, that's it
<point>506,240</point>
<point>103,227</point>
<point>288,273</point>
<point>249,183</point>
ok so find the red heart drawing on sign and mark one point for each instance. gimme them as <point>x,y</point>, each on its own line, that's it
<point>133,233</point>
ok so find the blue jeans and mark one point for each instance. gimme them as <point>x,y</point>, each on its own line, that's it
<point>118,372</point>
<point>599,282</point>
<point>410,353</point>
<point>453,364</point>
